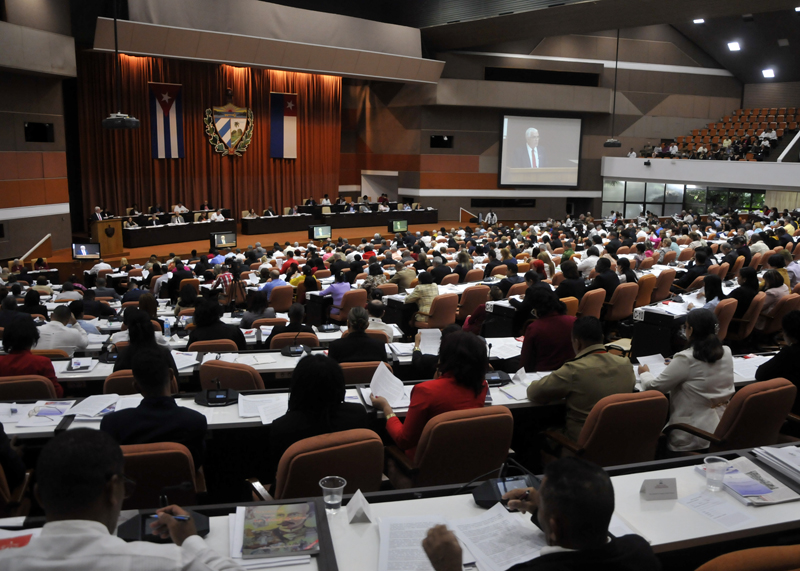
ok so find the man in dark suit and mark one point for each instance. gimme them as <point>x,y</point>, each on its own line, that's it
<point>573,507</point>
<point>269,211</point>
<point>529,155</point>
<point>296,313</point>
<point>605,279</point>
<point>491,264</point>
<point>101,290</point>
<point>158,418</point>
<point>133,293</point>
<point>181,273</point>
<point>693,271</point>
<point>156,209</point>
<point>357,346</point>
<point>96,308</point>
<point>439,270</point>
<point>512,277</point>
<point>340,264</point>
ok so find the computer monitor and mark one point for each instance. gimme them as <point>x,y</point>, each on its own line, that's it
<point>319,232</point>
<point>223,240</point>
<point>86,251</point>
<point>396,226</point>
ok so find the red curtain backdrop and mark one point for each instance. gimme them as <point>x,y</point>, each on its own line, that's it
<point>117,168</point>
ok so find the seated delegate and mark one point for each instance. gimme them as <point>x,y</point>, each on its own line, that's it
<point>141,337</point>
<point>158,418</point>
<point>209,327</point>
<point>316,406</point>
<point>357,346</point>
<point>18,360</point>
<point>548,340</point>
<point>462,365</point>
<point>699,381</point>
<point>573,507</point>
<point>296,313</point>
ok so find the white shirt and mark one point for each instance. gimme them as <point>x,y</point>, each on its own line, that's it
<point>120,336</point>
<point>325,202</point>
<point>87,545</point>
<point>181,209</point>
<point>217,217</point>
<point>491,218</point>
<point>586,266</point>
<point>632,155</point>
<point>56,335</point>
<point>376,324</point>
<point>100,266</point>
<point>162,279</point>
<point>70,295</point>
<point>698,394</point>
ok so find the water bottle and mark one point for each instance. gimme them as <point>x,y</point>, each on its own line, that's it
<point>166,330</point>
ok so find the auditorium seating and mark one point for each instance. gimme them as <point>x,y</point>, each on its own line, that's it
<point>442,312</point>
<point>773,558</point>
<point>237,376</point>
<point>592,303</point>
<point>282,340</point>
<point>122,383</point>
<point>26,387</point>
<point>154,467</point>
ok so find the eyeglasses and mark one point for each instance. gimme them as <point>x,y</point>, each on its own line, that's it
<point>130,485</point>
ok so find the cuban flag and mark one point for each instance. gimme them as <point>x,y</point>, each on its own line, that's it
<point>166,120</point>
<point>283,125</point>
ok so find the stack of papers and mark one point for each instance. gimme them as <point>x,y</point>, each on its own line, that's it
<point>504,347</point>
<point>12,413</point>
<point>402,349</point>
<point>744,368</point>
<point>753,486</point>
<point>785,460</point>
<point>185,359</point>
<point>97,338</point>
<point>267,407</point>
<point>46,413</point>
<point>94,406</point>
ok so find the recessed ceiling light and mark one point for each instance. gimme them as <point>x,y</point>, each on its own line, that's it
<point>734,46</point>
<point>699,21</point>
<point>768,73</point>
<point>783,42</point>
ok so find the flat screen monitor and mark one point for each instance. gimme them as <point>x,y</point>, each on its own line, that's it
<point>540,151</point>
<point>86,251</point>
<point>319,232</point>
<point>396,226</point>
<point>223,240</point>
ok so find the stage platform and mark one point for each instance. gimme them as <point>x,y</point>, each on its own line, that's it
<point>62,259</point>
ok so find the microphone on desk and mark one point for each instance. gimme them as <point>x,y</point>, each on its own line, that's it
<point>489,356</point>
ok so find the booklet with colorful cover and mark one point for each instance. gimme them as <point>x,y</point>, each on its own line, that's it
<point>280,530</point>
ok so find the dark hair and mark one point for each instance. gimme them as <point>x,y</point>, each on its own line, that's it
<point>790,323</point>
<point>588,329</point>
<point>140,329</point>
<point>22,336</point>
<point>188,297</point>
<point>602,265</point>
<point>570,270</point>
<point>545,302</point>
<point>9,303</point>
<point>375,270</point>
<point>581,495</point>
<point>532,276</point>
<point>750,278</point>
<point>76,307</point>
<point>713,287</point>
<point>32,298</point>
<point>151,368</point>
<point>700,256</point>
<point>777,261</point>
<point>258,302</point>
<point>425,278</point>
<point>74,468</point>
<point>464,355</point>
<point>772,279</point>
<point>206,313</point>
<point>296,312</point>
<point>317,385</point>
<point>593,251</point>
<point>148,303</point>
<point>704,342</point>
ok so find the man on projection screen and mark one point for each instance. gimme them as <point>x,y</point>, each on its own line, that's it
<point>529,155</point>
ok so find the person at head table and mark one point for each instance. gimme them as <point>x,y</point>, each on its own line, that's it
<point>529,155</point>
<point>573,507</point>
<point>81,485</point>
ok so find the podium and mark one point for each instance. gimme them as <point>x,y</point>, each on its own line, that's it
<point>552,175</point>
<point>108,233</point>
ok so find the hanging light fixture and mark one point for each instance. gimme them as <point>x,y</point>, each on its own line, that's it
<point>612,142</point>
<point>118,120</point>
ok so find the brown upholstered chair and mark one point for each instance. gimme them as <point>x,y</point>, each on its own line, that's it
<point>281,298</point>
<point>741,328</point>
<point>374,333</point>
<point>442,313</point>
<point>517,289</point>
<point>473,276</point>
<point>236,376</point>
<point>754,417</point>
<point>685,255</point>
<point>773,558</point>
<point>737,265</point>
<point>557,279</point>
<point>456,447</point>
<point>647,263</point>
<point>282,340</point>
<point>621,304</point>
<point>359,373</point>
<point>499,270</point>
<point>192,282</point>
<point>669,257</point>
<point>620,429</point>
<point>572,304</point>
<point>647,283</point>
<point>321,274</point>
<point>773,321</point>
<point>724,312</point>
<point>451,279</point>
<point>51,353</point>
<point>269,322</point>
<point>663,283</point>
<point>350,299</point>
<point>388,289</point>
<point>755,260</point>
<point>159,465</point>
<point>122,383</point>
<point>23,387</point>
<point>592,303</point>
<point>471,298</point>
<point>355,455</point>
<point>214,346</point>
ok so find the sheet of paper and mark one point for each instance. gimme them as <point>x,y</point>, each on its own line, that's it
<point>504,348</point>
<point>9,417</point>
<point>252,359</point>
<point>429,341</point>
<point>184,359</point>
<point>249,405</point>
<point>716,507</point>
<point>95,338</point>
<point>272,410</point>
<point>130,401</point>
<point>746,367</point>
<point>619,527</point>
<point>654,362</point>
<point>517,392</point>
<point>497,539</point>
<point>403,405</point>
<point>401,349</point>
<point>386,385</point>
<point>93,405</point>
<point>401,542</point>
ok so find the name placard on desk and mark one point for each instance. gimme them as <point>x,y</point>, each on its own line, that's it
<point>660,489</point>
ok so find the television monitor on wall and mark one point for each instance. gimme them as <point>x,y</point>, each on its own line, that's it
<point>319,232</point>
<point>86,251</point>
<point>223,240</point>
<point>396,226</point>
<point>540,151</point>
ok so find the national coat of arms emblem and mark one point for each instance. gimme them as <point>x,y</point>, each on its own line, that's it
<point>229,128</point>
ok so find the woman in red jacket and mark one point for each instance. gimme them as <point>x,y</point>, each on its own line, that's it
<point>18,360</point>
<point>548,340</point>
<point>461,385</point>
